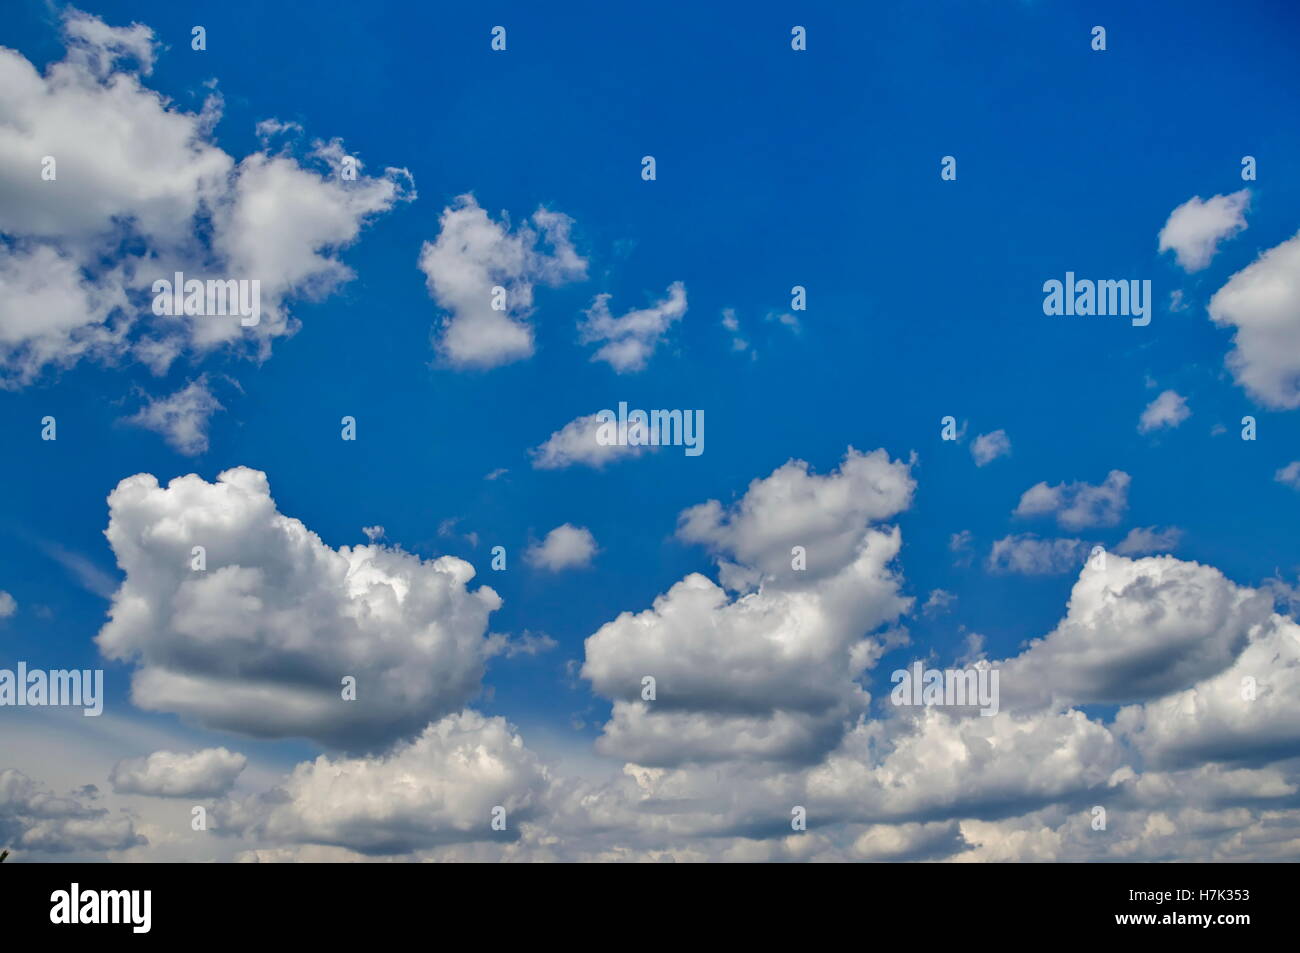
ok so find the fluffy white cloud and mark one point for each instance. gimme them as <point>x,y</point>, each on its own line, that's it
<point>260,640</point>
<point>576,443</point>
<point>8,605</point>
<point>770,674</point>
<point>565,547</point>
<point>938,766</point>
<point>1262,301</point>
<point>133,170</point>
<point>1137,629</point>
<point>1145,540</point>
<point>629,340</point>
<point>987,447</point>
<point>182,418</point>
<point>1196,227</point>
<point>826,515</point>
<point>1247,713</point>
<point>1078,505</point>
<point>472,255</point>
<point>49,313</point>
<point>1167,410</point>
<point>207,773</point>
<point>1031,555</point>
<point>440,788</point>
<point>1018,783</point>
<point>1198,768</point>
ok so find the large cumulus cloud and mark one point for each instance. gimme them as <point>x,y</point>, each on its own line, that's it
<point>261,639</point>
<point>770,673</point>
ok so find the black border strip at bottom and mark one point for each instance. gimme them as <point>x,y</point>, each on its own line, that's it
<point>366,901</point>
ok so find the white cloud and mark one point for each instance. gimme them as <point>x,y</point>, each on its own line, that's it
<point>473,254</point>
<point>1078,505</point>
<point>135,171</point>
<point>826,515</point>
<point>1289,475</point>
<point>769,675</point>
<point>529,644</point>
<point>207,773</point>
<point>631,339</point>
<point>1144,540</point>
<point>784,318</point>
<point>182,418</point>
<point>1196,227</point>
<point>576,443</point>
<point>939,602</point>
<point>1193,769</point>
<point>8,605</point>
<point>97,46</point>
<point>936,766</point>
<point>285,223</point>
<point>1262,301</point>
<point>260,641</point>
<point>732,324</point>
<point>1246,713</point>
<point>1031,555</point>
<point>1167,410</point>
<point>1138,629</point>
<point>987,447</point>
<point>565,547</point>
<point>437,789</point>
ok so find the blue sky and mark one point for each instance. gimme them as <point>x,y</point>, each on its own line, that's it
<point>775,168</point>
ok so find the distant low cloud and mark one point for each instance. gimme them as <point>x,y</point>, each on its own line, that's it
<point>207,773</point>
<point>440,788</point>
<point>35,819</point>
